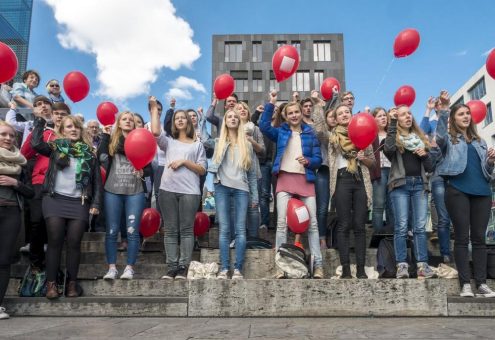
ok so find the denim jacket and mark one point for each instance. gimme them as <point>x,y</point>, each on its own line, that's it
<point>249,176</point>
<point>455,155</point>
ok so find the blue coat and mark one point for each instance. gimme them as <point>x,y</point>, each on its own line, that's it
<point>281,135</point>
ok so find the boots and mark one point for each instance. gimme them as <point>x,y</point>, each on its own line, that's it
<point>361,273</point>
<point>51,290</point>
<point>72,289</point>
<point>346,272</point>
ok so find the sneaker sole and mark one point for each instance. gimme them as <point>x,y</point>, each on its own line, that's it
<point>167,278</point>
<point>467,295</point>
<point>485,296</point>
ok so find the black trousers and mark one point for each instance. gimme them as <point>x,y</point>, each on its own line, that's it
<point>352,210</point>
<point>470,215</point>
<point>10,225</point>
<point>38,229</point>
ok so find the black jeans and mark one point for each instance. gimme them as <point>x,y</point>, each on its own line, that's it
<point>10,225</point>
<point>38,229</point>
<point>470,215</point>
<point>352,208</point>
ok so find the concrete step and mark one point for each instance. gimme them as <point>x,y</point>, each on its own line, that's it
<point>469,307</point>
<point>98,306</point>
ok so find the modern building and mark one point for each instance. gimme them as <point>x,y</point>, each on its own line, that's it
<point>248,59</point>
<point>15,28</point>
<point>480,87</point>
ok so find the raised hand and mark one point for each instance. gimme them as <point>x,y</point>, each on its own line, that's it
<point>273,97</point>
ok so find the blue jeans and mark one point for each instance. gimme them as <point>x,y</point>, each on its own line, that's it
<point>413,195</point>
<point>253,221</point>
<point>265,192</point>
<point>381,201</point>
<point>224,197</point>
<point>132,207</point>
<point>322,188</point>
<point>443,226</point>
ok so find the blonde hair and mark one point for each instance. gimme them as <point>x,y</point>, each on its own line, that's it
<point>246,107</point>
<point>413,129</point>
<point>291,104</point>
<point>244,161</point>
<point>78,124</point>
<point>114,139</point>
<point>4,123</point>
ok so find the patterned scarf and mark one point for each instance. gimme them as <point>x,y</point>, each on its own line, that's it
<point>412,142</point>
<point>81,153</point>
<point>11,161</point>
<point>340,137</point>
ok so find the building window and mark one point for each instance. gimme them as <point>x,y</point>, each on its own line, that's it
<point>300,81</point>
<point>241,80</point>
<point>233,52</point>
<point>281,43</point>
<point>318,80</point>
<point>321,51</point>
<point>257,51</point>
<point>478,91</point>
<point>458,101</point>
<point>273,82</point>
<point>297,45</point>
<point>257,81</point>
<point>489,115</point>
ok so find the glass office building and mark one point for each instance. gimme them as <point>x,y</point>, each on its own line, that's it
<point>15,28</point>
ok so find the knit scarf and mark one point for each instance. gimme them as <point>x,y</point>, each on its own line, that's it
<point>347,148</point>
<point>11,161</point>
<point>412,142</point>
<point>81,153</point>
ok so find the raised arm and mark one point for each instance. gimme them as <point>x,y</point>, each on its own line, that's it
<point>319,124</point>
<point>266,118</point>
<point>210,114</point>
<point>37,142</point>
<point>390,146</point>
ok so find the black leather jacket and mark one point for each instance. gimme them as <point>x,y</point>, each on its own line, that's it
<point>93,192</point>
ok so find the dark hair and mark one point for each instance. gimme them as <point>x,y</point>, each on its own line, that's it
<point>61,106</point>
<point>233,95</point>
<point>305,100</point>
<point>189,129</point>
<point>158,103</point>
<point>140,117</point>
<point>471,132</point>
<point>26,74</point>
<point>192,110</point>
<point>378,109</point>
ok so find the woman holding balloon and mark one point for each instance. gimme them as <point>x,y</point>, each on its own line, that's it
<point>407,148</point>
<point>124,194</point>
<point>185,162</point>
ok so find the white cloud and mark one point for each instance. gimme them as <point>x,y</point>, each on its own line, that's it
<point>182,86</point>
<point>178,94</point>
<point>461,53</point>
<point>487,53</point>
<point>130,40</point>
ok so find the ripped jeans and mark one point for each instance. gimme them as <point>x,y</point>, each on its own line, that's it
<point>116,206</point>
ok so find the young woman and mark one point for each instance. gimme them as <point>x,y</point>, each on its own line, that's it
<point>185,162</point>
<point>379,174</point>
<point>255,138</point>
<point>72,191</point>
<point>350,183</point>
<point>11,204</point>
<point>234,168</point>
<point>297,158</point>
<point>124,194</point>
<point>407,148</point>
<point>467,167</point>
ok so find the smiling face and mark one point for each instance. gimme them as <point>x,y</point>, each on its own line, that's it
<point>343,115</point>
<point>404,117</point>
<point>243,112</point>
<point>32,81</point>
<point>70,129</point>
<point>7,137</point>
<point>381,119</point>
<point>54,88</point>
<point>462,118</point>
<point>126,122</point>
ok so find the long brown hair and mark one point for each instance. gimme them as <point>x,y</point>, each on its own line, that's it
<point>189,128</point>
<point>376,110</point>
<point>471,132</point>
<point>114,139</point>
<point>413,129</point>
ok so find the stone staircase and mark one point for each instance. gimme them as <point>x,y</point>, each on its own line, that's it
<point>257,295</point>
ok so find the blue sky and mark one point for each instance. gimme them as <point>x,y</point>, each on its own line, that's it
<point>454,36</point>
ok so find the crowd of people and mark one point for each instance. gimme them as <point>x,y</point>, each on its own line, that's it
<point>297,149</point>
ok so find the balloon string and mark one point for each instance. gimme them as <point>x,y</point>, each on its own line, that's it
<point>387,71</point>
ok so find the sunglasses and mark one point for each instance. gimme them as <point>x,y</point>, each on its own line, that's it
<point>54,85</point>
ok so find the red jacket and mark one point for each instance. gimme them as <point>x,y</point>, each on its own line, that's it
<point>41,163</point>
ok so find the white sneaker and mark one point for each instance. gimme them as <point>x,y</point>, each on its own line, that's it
<point>3,314</point>
<point>26,248</point>
<point>128,274</point>
<point>466,291</point>
<point>111,274</point>
<point>223,275</point>
<point>263,226</point>
<point>237,275</point>
<point>485,291</point>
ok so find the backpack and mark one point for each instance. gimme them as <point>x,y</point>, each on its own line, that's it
<point>257,243</point>
<point>292,261</point>
<point>385,259</point>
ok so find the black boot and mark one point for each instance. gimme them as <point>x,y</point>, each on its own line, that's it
<point>361,273</point>
<point>346,272</point>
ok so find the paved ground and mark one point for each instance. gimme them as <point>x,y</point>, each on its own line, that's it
<point>247,328</point>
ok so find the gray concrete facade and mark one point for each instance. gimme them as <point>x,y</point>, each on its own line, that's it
<point>223,62</point>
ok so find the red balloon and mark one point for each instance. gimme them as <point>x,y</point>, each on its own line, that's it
<point>297,216</point>
<point>76,86</point>
<point>405,95</point>
<point>285,62</point>
<point>106,113</point>
<point>478,110</point>
<point>150,222</point>
<point>103,174</point>
<point>362,130</point>
<point>224,86</point>
<point>406,42</point>
<point>327,86</point>
<point>140,147</point>
<point>201,224</point>
<point>490,64</point>
<point>8,63</point>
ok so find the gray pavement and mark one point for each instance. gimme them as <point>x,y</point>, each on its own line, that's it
<point>246,328</point>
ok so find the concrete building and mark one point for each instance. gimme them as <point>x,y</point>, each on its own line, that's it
<point>15,28</point>
<point>480,87</point>
<point>248,59</point>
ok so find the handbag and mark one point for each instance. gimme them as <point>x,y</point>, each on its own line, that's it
<point>33,284</point>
